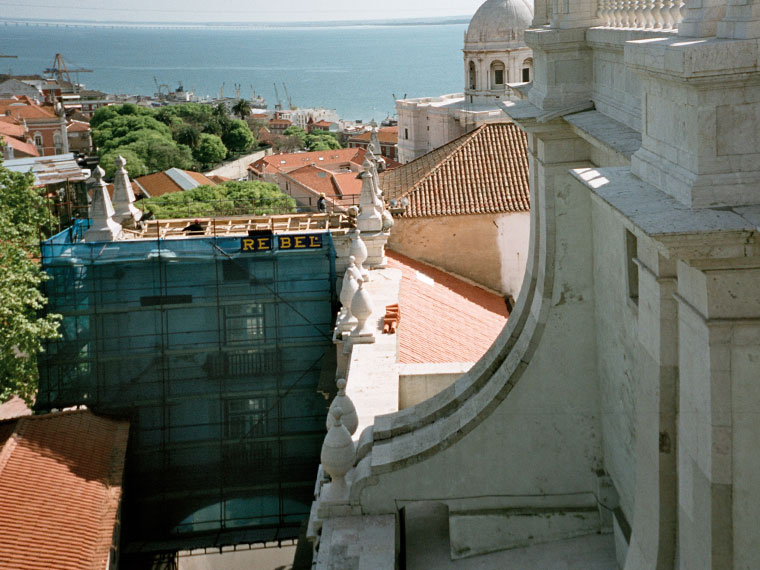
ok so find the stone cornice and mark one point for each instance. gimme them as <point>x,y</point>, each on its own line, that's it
<point>695,59</point>
<point>682,232</point>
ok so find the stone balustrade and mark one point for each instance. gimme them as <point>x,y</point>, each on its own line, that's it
<point>641,14</point>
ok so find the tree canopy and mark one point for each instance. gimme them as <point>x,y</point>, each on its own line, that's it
<point>317,140</point>
<point>173,136</point>
<point>23,215</point>
<point>210,151</point>
<point>228,198</point>
<point>242,108</point>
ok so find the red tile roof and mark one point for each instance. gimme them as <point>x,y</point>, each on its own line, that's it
<point>482,172</point>
<point>387,135</point>
<point>161,183</point>
<point>12,128</point>
<point>25,109</point>
<point>20,147</point>
<point>292,161</point>
<point>77,127</point>
<point>443,318</point>
<point>338,187</point>
<point>60,487</point>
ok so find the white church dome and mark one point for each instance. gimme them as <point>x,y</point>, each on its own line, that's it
<point>499,21</point>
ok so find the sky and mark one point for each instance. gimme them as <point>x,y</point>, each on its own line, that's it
<point>243,11</point>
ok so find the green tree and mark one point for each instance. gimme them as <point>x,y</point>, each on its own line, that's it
<point>228,198</point>
<point>322,142</point>
<point>23,214</point>
<point>210,151</point>
<point>188,135</point>
<point>242,108</point>
<point>220,111</point>
<point>238,137</point>
<point>135,165</point>
<point>294,131</point>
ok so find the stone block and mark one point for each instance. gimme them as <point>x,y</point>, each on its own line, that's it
<point>483,532</point>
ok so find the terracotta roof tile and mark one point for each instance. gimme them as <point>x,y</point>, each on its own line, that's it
<point>482,172</point>
<point>387,135</point>
<point>161,183</point>
<point>338,187</point>
<point>443,318</point>
<point>288,162</point>
<point>12,128</point>
<point>60,487</point>
<point>25,148</point>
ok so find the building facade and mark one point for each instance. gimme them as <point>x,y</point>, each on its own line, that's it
<point>495,55</point>
<point>618,409</point>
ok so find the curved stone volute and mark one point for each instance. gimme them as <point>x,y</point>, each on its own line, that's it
<point>477,416</point>
<point>350,419</point>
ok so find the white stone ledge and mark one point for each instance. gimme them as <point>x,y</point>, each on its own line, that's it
<point>691,58</point>
<point>673,224</point>
<point>606,133</point>
<point>616,38</point>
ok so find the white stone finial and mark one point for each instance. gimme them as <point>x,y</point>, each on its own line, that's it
<point>370,217</point>
<point>358,250</point>
<point>361,308</point>
<point>353,268</point>
<point>103,227</point>
<point>350,419</point>
<point>346,320</point>
<point>125,211</point>
<point>337,457</point>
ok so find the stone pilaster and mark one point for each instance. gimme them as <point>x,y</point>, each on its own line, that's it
<point>742,21</point>
<point>700,109</point>
<point>701,18</point>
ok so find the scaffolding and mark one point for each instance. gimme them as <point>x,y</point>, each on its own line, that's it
<point>219,356</point>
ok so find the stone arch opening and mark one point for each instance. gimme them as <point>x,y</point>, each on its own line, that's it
<point>472,76</point>
<point>498,75</point>
<point>526,70</point>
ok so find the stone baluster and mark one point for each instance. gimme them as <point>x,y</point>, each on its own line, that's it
<point>125,211</point>
<point>667,20</point>
<point>337,457</point>
<point>607,12</point>
<point>649,20</point>
<point>358,250</point>
<point>350,418</point>
<point>628,14</point>
<point>617,13</point>
<point>103,227</point>
<point>361,307</point>
<point>742,21</point>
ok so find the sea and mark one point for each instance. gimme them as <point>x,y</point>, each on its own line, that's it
<point>358,70</point>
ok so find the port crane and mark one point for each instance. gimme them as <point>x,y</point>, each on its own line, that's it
<point>159,86</point>
<point>287,96</point>
<point>63,73</point>
<point>278,106</point>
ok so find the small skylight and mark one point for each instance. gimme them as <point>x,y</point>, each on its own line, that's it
<point>282,162</point>
<point>321,158</point>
